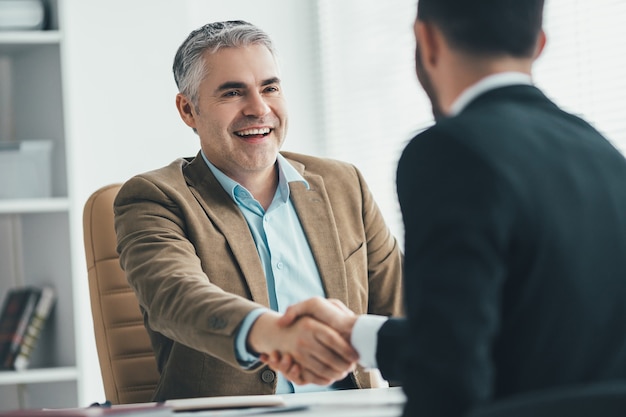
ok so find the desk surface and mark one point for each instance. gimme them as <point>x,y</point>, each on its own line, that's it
<point>378,402</point>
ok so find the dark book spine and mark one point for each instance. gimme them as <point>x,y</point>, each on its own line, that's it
<point>33,331</point>
<point>30,302</point>
<point>12,310</point>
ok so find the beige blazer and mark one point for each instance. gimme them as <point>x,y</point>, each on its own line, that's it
<point>189,255</point>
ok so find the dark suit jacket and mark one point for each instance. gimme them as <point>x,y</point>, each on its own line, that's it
<point>190,257</point>
<point>515,256</point>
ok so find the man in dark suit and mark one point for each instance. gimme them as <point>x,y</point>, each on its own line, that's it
<point>515,228</point>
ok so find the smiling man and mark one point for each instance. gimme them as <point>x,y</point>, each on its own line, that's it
<point>217,246</point>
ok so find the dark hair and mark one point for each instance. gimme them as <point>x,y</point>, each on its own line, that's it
<point>486,27</point>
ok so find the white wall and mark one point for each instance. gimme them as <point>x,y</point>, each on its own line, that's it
<point>119,101</point>
<point>119,93</point>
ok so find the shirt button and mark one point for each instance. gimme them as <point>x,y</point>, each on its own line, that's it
<point>268,376</point>
<point>279,265</point>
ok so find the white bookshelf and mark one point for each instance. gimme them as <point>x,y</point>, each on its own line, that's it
<point>35,237</point>
<point>39,376</point>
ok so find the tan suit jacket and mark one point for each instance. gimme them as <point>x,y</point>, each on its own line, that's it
<point>189,255</point>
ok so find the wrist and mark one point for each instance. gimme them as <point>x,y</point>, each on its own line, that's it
<point>346,329</point>
<point>260,334</point>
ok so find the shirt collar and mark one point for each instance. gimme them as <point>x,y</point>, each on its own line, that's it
<point>491,82</point>
<point>286,174</point>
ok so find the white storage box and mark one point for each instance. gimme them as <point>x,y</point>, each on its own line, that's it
<point>25,169</point>
<point>22,14</point>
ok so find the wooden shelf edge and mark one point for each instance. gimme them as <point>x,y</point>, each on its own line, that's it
<point>35,376</point>
<point>30,37</point>
<point>34,205</point>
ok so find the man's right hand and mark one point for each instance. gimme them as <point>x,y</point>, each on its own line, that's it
<point>328,311</point>
<point>322,354</point>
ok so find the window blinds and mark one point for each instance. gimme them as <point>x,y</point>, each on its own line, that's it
<point>372,103</point>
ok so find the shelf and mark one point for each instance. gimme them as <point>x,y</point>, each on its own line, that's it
<point>11,42</point>
<point>36,37</point>
<point>36,240</point>
<point>36,376</point>
<point>34,205</point>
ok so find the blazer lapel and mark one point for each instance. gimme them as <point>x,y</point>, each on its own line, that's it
<point>316,216</point>
<point>225,214</point>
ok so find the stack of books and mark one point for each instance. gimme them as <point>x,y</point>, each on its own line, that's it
<point>22,318</point>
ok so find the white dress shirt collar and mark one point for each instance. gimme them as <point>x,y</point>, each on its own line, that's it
<point>490,82</point>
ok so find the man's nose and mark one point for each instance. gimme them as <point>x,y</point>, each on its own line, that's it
<point>256,105</point>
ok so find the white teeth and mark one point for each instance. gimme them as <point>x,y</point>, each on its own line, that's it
<point>248,132</point>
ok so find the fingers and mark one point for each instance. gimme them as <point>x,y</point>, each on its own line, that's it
<point>308,377</point>
<point>278,362</point>
<point>331,312</point>
<point>335,343</point>
<point>300,309</point>
<point>270,359</point>
<point>341,306</point>
<point>291,370</point>
<point>298,376</point>
<point>312,352</point>
<point>309,343</point>
<point>322,351</point>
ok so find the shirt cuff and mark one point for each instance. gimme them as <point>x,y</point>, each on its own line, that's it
<point>245,358</point>
<point>364,338</point>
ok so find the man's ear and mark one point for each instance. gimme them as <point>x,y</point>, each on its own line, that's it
<point>186,110</point>
<point>541,43</point>
<point>428,39</point>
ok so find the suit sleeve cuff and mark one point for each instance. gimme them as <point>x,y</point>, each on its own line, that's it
<point>365,338</point>
<point>244,357</point>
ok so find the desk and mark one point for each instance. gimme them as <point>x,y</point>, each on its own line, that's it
<point>374,402</point>
<point>377,402</point>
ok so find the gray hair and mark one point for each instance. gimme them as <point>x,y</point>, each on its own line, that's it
<point>189,66</point>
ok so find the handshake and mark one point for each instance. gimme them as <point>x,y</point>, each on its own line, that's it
<point>309,344</point>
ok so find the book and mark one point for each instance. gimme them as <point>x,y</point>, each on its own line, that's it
<point>36,324</point>
<point>19,305</point>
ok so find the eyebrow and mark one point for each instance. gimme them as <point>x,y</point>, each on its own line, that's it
<point>236,84</point>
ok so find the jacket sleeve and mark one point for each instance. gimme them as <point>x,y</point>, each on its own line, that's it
<point>384,258</point>
<point>392,347</point>
<point>163,268</point>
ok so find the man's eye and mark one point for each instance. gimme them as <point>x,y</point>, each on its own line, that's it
<point>231,94</point>
<point>271,89</point>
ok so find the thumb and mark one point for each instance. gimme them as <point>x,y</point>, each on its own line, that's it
<point>308,307</point>
<point>337,303</point>
<point>291,315</point>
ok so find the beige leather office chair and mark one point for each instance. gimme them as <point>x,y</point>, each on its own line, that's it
<point>126,358</point>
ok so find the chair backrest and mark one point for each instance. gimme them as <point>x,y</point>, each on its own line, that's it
<point>127,362</point>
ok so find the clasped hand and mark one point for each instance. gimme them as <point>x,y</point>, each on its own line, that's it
<point>309,344</point>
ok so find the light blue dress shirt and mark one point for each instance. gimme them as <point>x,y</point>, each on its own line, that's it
<point>284,251</point>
